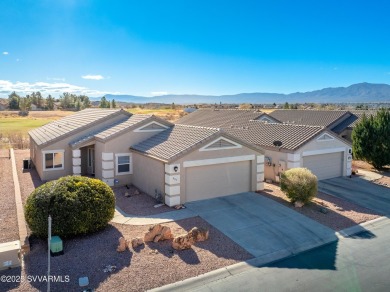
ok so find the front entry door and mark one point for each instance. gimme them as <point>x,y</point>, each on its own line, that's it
<point>91,160</point>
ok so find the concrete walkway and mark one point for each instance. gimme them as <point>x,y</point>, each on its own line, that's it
<point>123,218</point>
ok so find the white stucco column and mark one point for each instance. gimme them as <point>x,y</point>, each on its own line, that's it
<point>293,160</point>
<point>108,165</point>
<point>76,161</point>
<point>172,184</point>
<point>259,172</point>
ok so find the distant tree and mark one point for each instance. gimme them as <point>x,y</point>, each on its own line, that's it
<point>40,101</point>
<point>173,106</point>
<point>78,105</point>
<point>104,103</point>
<point>86,103</point>
<point>274,104</point>
<point>50,102</point>
<point>24,104</point>
<point>371,139</point>
<point>13,100</point>
<point>113,103</point>
<point>286,105</point>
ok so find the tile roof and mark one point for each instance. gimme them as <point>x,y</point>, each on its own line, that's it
<point>308,117</point>
<point>175,141</point>
<point>264,134</point>
<point>359,114</point>
<point>218,117</point>
<point>344,124</point>
<point>56,130</point>
<point>112,130</point>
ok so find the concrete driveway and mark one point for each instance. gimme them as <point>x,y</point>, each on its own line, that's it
<point>358,191</point>
<point>262,226</point>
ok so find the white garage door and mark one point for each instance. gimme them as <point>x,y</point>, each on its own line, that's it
<point>325,166</point>
<point>205,182</point>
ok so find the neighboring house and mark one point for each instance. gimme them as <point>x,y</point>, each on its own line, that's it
<point>184,162</point>
<point>336,121</point>
<point>314,147</point>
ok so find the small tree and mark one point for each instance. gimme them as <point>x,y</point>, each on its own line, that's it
<point>299,184</point>
<point>113,103</point>
<point>371,139</point>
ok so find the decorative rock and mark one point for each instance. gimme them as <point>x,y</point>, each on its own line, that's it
<point>122,245</point>
<point>298,204</point>
<point>199,234</point>
<point>184,241</point>
<point>127,194</point>
<point>136,192</point>
<point>158,232</point>
<point>135,242</point>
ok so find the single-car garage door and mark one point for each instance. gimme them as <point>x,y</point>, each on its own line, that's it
<point>325,166</point>
<point>205,182</point>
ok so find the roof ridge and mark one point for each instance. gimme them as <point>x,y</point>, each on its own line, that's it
<point>287,124</point>
<point>198,127</point>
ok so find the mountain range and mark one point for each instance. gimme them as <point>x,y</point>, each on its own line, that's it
<point>356,93</point>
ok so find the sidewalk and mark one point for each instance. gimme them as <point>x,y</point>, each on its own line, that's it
<point>123,218</point>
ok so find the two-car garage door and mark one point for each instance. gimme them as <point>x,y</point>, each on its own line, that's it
<point>325,166</point>
<point>205,182</point>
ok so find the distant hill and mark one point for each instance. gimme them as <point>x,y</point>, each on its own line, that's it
<point>361,92</point>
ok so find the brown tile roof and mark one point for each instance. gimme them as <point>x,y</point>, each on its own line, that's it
<point>264,134</point>
<point>114,129</point>
<point>359,114</point>
<point>218,117</point>
<point>61,128</point>
<point>175,141</point>
<point>323,118</point>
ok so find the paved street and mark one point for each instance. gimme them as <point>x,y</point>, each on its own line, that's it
<point>359,263</point>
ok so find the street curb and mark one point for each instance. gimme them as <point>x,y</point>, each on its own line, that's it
<point>219,274</point>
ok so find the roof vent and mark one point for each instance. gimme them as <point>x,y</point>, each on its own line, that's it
<point>278,144</point>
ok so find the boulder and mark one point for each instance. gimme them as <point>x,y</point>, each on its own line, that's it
<point>135,242</point>
<point>122,245</point>
<point>199,234</point>
<point>136,192</point>
<point>298,204</point>
<point>184,241</point>
<point>157,233</point>
<point>127,194</point>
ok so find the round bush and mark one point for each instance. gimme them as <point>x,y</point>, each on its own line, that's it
<point>77,205</point>
<point>299,184</point>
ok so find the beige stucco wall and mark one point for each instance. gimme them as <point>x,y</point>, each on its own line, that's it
<point>271,171</point>
<point>63,144</point>
<point>328,145</point>
<point>201,155</point>
<point>148,174</point>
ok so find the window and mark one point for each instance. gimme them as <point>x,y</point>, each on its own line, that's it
<point>123,163</point>
<point>53,160</point>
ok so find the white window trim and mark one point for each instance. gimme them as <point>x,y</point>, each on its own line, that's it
<point>236,146</point>
<point>151,130</point>
<point>44,159</point>
<point>331,138</point>
<point>130,163</point>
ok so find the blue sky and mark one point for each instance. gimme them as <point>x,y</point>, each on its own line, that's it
<point>195,47</point>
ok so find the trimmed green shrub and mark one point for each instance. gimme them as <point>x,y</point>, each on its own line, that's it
<point>299,184</point>
<point>77,205</point>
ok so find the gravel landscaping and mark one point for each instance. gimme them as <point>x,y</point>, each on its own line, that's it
<point>150,266</point>
<point>8,220</point>
<point>325,209</point>
<point>137,203</point>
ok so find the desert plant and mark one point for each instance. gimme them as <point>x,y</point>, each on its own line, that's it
<point>299,184</point>
<point>77,205</point>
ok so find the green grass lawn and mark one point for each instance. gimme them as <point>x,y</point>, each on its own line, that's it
<point>21,124</point>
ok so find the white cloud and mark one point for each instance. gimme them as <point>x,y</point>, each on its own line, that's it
<point>158,93</point>
<point>56,78</point>
<point>5,53</point>
<point>46,88</point>
<point>93,77</point>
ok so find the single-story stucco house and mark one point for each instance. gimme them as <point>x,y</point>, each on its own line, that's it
<point>286,146</point>
<point>184,162</point>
